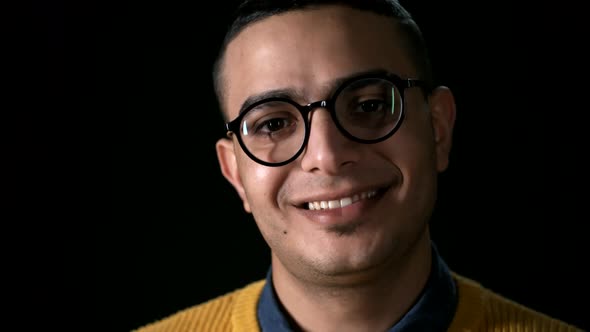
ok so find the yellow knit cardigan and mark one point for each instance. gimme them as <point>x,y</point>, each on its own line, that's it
<point>479,310</point>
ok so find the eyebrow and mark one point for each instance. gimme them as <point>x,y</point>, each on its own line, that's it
<point>277,93</point>
<point>293,94</point>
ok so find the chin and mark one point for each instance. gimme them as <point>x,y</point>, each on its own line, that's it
<point>349,260</point>
<point>363,256</point>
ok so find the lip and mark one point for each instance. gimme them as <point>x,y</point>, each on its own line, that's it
<point>347,215</point>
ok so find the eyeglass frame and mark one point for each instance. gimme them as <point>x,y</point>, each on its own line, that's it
<point>233,126</point>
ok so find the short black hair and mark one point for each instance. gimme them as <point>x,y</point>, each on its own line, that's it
<point>250,11</point>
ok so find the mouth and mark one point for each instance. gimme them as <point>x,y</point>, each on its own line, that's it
<point>343,201</point>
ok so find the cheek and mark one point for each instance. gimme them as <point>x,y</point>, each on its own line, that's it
<point>412,148</point>
<point>262,186</point>
<point>418,135</point>
<point>412,153</point>
<point>261,183</point>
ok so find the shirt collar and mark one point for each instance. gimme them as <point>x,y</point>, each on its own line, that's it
<point>433,311</point>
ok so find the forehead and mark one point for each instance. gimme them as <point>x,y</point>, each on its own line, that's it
<point>306,50</point>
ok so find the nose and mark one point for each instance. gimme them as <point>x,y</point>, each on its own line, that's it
<point>327,150</point>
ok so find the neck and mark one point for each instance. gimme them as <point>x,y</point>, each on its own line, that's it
<point>375,301</point>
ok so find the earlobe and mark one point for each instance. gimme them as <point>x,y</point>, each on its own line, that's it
<point>443,111</point>
<point>226,157</point>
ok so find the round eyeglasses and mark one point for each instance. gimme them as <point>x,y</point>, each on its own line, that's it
<point>366,109</point>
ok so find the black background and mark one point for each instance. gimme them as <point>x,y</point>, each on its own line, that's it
<point>164,229</point>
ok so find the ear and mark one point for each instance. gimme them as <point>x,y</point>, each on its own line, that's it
<point>443,111</point>
<point>229,168</point>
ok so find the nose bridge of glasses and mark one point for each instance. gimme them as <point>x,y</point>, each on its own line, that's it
<point>309,108</point>
<point>316,104</point>
<point>327,117</point>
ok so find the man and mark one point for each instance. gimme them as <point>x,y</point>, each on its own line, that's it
<point>336,136</point>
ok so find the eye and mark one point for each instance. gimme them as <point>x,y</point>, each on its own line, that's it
<point>271,118</point>
<point>273,125</point>
<point>370,106</point>
<point>276,126</point>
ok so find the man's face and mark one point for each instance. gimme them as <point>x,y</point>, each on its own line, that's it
<point>393,183</point>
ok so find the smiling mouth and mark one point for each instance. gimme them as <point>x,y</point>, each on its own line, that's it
<point>340,203</point>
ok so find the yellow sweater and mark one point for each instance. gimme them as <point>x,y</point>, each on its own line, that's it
<point>479,309</point>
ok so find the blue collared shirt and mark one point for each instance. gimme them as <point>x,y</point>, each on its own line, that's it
<point>433,311</point>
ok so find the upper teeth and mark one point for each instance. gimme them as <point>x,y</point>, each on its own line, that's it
<point>339,203</point>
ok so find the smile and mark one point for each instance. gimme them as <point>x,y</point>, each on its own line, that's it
<point>342,202</point>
